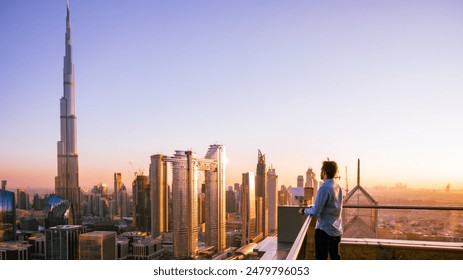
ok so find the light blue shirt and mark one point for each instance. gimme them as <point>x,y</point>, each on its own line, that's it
<point>327,208</point>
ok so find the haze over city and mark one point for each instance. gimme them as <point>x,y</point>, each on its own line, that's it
<point>301,81</point>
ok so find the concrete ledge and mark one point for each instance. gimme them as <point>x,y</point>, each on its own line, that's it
<point>390,249</point>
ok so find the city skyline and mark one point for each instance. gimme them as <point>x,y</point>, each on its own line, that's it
<point>155,77</point>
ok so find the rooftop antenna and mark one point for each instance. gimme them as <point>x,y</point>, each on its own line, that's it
<point>358,172</point>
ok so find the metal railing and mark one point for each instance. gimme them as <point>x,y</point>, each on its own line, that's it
<point>300,239</point>
<point>305,236</point>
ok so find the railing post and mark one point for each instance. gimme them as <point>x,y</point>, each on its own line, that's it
<point>309,240</point>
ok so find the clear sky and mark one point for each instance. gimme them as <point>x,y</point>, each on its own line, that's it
<point>301,80</point>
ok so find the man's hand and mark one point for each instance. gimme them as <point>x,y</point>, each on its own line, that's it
<point>301,211</point>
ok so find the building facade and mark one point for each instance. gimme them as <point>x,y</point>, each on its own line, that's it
<point>261,196</point>
<point>142,203</point>
<point>272,183</point>
<point>216,234</point>
<point>248,208</point>
<point>98,245</point>
<point>7,216</point>
<point>62,242</point>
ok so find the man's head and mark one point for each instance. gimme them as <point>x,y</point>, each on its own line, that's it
<point>330,169</point>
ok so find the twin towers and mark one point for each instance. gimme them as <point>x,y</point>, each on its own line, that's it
<point>185,170</point>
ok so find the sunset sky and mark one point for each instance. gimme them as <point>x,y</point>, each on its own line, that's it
<point>300,80</point>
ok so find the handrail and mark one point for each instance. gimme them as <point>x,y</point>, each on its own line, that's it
<point>298,242</point>
<point>404,207</point>
<point>294,252</point>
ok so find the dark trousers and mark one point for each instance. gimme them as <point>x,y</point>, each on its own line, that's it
<point>325,244</point>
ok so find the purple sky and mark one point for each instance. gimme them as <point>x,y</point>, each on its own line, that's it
<point>300,80</point>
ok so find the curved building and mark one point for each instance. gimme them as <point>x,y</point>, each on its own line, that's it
<point>58,212</point>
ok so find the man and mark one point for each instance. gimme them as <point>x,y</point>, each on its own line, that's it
<point>327,209</point>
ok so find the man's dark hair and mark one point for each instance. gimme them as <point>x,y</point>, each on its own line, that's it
<point>330,168</point>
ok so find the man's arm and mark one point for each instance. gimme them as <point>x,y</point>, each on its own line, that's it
<point>322,197</point>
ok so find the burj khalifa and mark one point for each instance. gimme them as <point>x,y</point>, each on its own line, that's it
<point>67,180</point>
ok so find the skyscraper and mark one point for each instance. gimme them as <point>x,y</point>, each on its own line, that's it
<point>159,195</point>
<point>124,202</point>
<point>261,196</point>
<point>142,203</point>
<point>215,198</point>
<point>272,183</point>
<point>185,205</point>
<point>7,216</point>
<point>67,180</point>
<point>300,181</point>
<point>248,208</point>
<point>117,187</point>
<point>312,184</point>
<point>185,199</point>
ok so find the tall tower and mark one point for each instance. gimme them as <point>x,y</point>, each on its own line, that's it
<point>272,181</point>
<point>261,196</point>
<point>67,180</point>
<point>142,203</point>
<point>117,187</point>
<point>248,208</point>
<point>159,195</point>
<point>215,199</point>
<point>185,204</point>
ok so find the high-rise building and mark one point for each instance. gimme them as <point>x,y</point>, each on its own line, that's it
<point>261,196</point>
<point>312,184</point>
<point>142,203</point>
<point>97,245</point>
<point>185,200</point>
<point>23,200</point>
<point>117,187</point>
<point>58,212</point>
<point>124,201</point>
<point>237,190</point>
<point>67,180</point>
<point>159,195</point>
<point>4,184</point>
<point>62,242</point>
<point>230,200</point>
<point>215,198</point>
<point>283,196</point>
<point>272,183</point>
<point>7,216</point>
<point>300,181</point>
<point>185,205</point>
<point>248,208</point>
